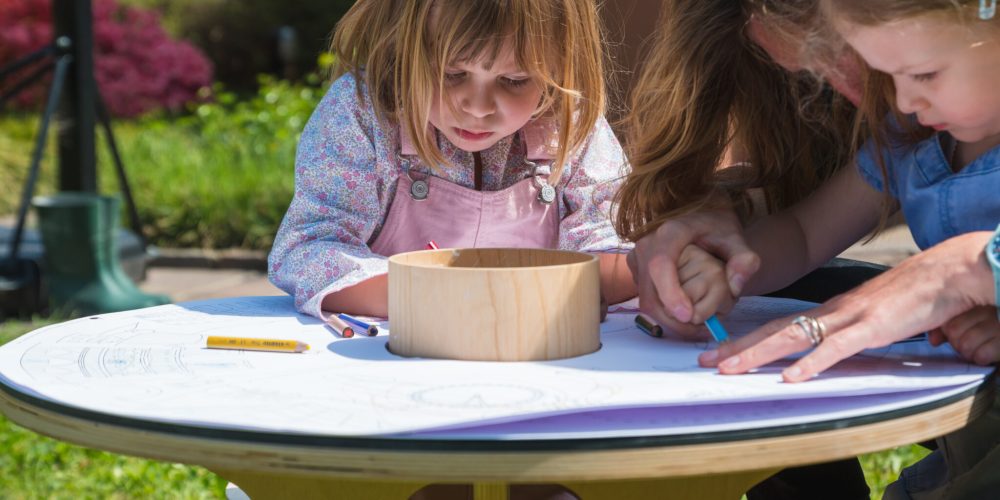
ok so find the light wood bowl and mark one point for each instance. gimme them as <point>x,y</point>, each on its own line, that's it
<point>494,304</point>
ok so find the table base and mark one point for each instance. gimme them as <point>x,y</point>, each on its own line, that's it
<point>263,486</point>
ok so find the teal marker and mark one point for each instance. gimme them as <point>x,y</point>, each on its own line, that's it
<point>718,332</point>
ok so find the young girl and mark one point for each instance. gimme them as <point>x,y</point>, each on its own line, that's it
<point>469,123</point>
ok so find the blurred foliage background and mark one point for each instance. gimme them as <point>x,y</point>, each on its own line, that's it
<point>242,37</point>
<point>215,171</point>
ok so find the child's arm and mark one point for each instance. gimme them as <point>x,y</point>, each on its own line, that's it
<point>368,298</point>
<point>588,187</point>
<point>617,284</point>
<point>815,230</point>
<point>321,247</point>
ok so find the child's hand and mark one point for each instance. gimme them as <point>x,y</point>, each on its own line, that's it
<point>703,279</point>
<point>975,334</point>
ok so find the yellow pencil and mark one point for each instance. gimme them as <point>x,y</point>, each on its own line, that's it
<point>251,344</point>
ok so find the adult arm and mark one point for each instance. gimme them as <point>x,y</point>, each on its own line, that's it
<point>922,293</point>
<point>772,253</point>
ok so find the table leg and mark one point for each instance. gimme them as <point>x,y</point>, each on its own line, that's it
<point>489,491</point>
<point>730,486</point>
<point>264,486</point>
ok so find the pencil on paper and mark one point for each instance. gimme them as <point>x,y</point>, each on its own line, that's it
<point>338,325</point>
<point>716,329</point>
<point>367,328</point>
<point>253,344</point>
<point>648,326</point>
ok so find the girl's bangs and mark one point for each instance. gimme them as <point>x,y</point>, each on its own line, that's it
<point>463,31</point>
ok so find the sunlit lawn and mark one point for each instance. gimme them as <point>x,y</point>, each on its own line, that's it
<point>34,466</point>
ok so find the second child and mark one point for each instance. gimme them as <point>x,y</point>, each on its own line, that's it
<point>465,122</point>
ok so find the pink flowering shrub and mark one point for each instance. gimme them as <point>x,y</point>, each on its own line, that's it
<point>138,67</point>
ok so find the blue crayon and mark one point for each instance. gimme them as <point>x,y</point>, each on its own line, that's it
<point>368,328</point>
<point>715,327</point>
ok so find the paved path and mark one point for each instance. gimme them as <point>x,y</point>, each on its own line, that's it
<point>193,283</point>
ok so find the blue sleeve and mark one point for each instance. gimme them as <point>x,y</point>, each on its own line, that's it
<point>868,165</point>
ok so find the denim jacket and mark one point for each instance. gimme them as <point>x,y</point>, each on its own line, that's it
<point>938,203</point>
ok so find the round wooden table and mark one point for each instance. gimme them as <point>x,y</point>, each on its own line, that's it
<point>282,425</point>
<point>713,465</point>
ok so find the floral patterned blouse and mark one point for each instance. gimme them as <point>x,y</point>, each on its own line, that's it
<point>346,168</point>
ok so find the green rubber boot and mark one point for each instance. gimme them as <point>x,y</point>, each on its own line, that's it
<point>110,206</point>
<point>79,243</point>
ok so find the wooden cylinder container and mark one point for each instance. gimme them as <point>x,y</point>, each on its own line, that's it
<point>494,304</point>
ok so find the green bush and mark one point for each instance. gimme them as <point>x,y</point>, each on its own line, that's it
<point>221,177</point>
<point>240,36</point>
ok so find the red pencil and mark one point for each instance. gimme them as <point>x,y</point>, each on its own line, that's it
<point>340,326</point>
<point>431,245</point>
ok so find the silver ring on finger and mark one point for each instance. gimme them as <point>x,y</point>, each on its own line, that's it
<point>814,329</point>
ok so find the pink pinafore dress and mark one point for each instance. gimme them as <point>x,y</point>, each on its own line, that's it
<point>524,215</point>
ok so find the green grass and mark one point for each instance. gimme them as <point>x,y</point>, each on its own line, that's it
<point>883,467</point>
<point>34,466</point>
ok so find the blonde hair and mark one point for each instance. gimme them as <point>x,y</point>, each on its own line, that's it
<point>388,45</point>
<point>706,85</point>
<point>865,13</point>
<point>878,104</point>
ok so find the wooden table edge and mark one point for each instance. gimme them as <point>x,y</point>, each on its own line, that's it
<point>636,460</point>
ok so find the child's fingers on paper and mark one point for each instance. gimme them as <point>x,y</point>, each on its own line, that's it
<point>712,298</point>
<point>699,263</point>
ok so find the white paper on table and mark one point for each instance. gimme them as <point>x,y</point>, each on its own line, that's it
<point>152,364</point>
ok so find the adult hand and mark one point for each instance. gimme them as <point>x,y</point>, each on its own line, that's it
<point>921,294</point>
<point>654,263</point>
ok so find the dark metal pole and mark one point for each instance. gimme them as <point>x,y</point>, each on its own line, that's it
<point>77,158</point>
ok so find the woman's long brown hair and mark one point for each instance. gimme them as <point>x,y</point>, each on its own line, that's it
<point>706,87</point>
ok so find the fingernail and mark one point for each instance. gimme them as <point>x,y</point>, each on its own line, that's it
<point>710,357</point>
<point>730,362</point>
<point>736,284</point>
<point>793,372</point>
<point>680,313</point>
